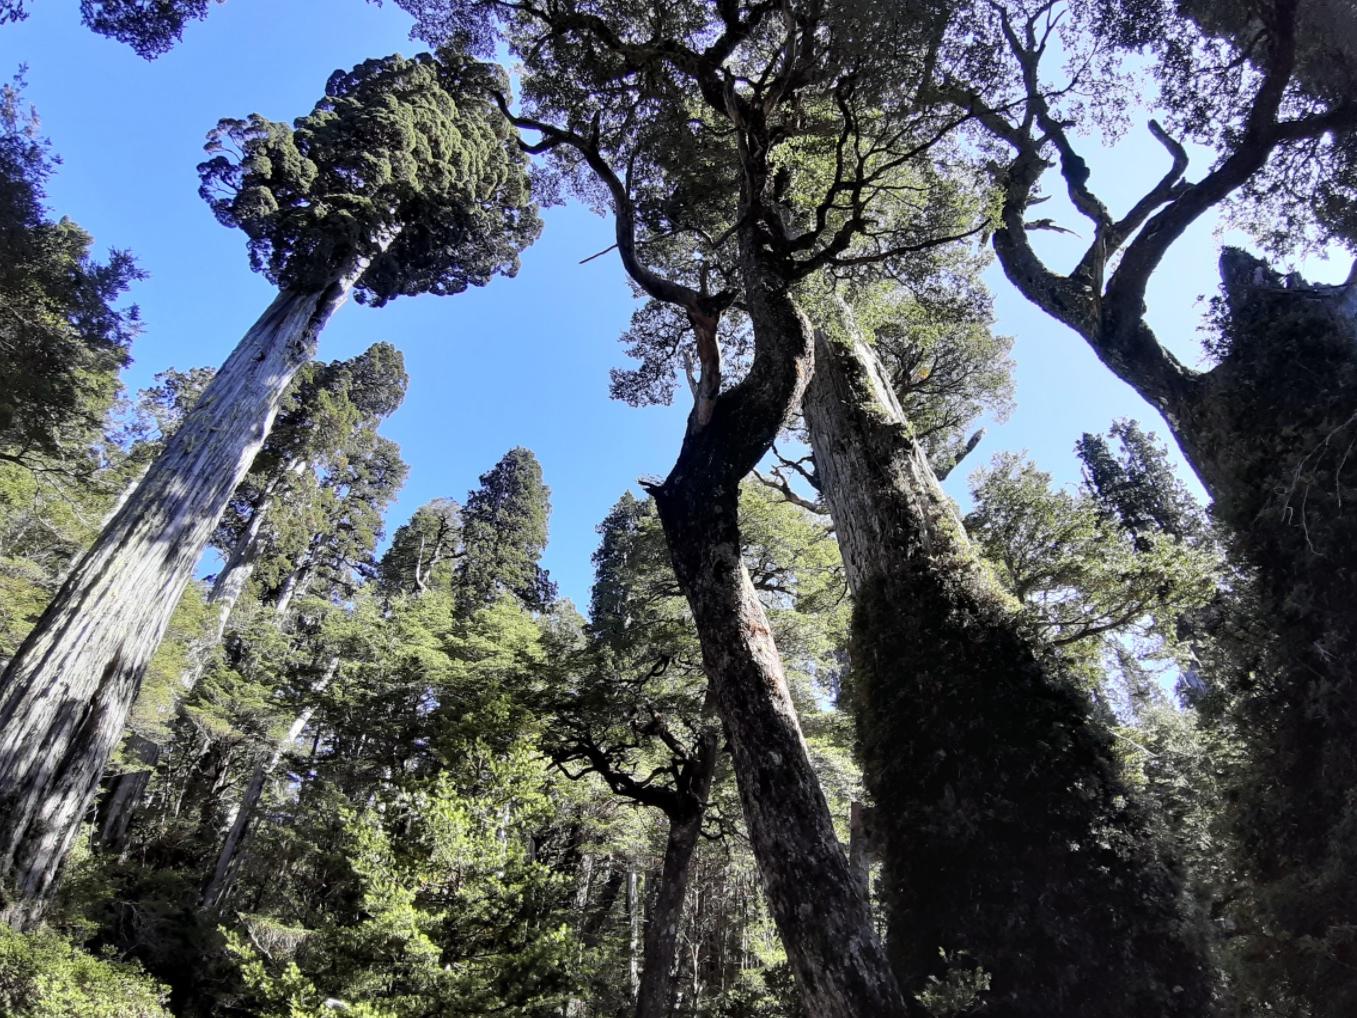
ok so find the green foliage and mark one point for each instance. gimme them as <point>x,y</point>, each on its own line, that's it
<point>404,162</point>
<point>1137,486</point>
<point>150,27</point>
<point>504,531</point>
<point>422,550</point>
<point>62,337</point>
<point>42,975</point>
<point>1086,577</point>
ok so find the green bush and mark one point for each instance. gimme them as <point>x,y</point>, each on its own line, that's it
<point>43,975</point>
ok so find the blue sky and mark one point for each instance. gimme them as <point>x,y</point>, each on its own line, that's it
<point>523,361</point>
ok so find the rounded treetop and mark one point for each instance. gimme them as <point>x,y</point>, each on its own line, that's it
<point>408,162</point>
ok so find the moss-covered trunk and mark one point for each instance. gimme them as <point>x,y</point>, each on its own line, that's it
<point>65,697</point>
<point>1006,836</point>
<point>1272,431</point>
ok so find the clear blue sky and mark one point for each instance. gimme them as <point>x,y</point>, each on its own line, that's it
<point>522,362</point>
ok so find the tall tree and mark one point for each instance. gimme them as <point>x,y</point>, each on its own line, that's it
<point>421,547</point>
<point>1269,85</point>
<point>635,716</point>
<point>1016,864</point>
<point>693,122</point>
<point>63,338</point>
<point>403,180</point>
<point>504,531</point>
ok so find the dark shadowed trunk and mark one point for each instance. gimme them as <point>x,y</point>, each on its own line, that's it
<point>1272,432</point>
<point>125,792</point>
<point>65,697</point>
<point>820,910</point>
<point>655,997</point>
<point>1006,837</point>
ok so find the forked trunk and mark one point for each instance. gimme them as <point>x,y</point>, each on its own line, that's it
<point>656,994</point>
<point>1007,838</point>
<point>65,697</point>
<point>818,906</point>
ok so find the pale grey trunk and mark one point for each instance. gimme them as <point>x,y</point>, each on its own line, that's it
<point>239,567</point>
<point>65,697</point>
<point>295,584</point>
<point>574,1007</point>
<point>656,991</point>
<point>223,874</point>
<point>635,921</point>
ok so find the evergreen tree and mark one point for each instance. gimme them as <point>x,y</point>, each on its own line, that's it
<point>504,531</point>
<point>63,338</point>
<point>422,549</point>
<point>422,192</point>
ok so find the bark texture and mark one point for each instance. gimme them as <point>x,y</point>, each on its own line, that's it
<point>64,698</point>
<point>1272,431</point>
<point>818,906</point>
<point>654,998</point>
<point>1006,836</point>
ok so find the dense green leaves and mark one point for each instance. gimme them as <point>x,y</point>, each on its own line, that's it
<point>404,162</point>
<point>62,336</point>
<point>504,531</point>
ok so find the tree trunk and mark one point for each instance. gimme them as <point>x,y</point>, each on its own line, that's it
<point>235,574</point>
<point>65,697</point>
<point>296,583</point>
<point>127,789</point>
<point>1006,834</point>
<point>656,993</point>
<point>817,905</point>
<point>635,922</point>
<point>124,794</point>
<point>1271,432</point>
<point>223,874</point>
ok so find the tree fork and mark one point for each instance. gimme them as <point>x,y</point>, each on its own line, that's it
<point>817,904</point>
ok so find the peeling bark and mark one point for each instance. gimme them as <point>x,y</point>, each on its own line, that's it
<point>1006,834</point>
<point>65,697</point>
<point>127,789</point>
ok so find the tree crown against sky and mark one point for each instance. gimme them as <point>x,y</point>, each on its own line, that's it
<point>696,121</point>
<point>405,162</point>
<point>63,337</point>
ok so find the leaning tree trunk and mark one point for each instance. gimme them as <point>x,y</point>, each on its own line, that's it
<point>1006,834</point>
<point>820,910</point>
<point>65,697</point>
<point>126,790</point>
<point>655,997</point>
